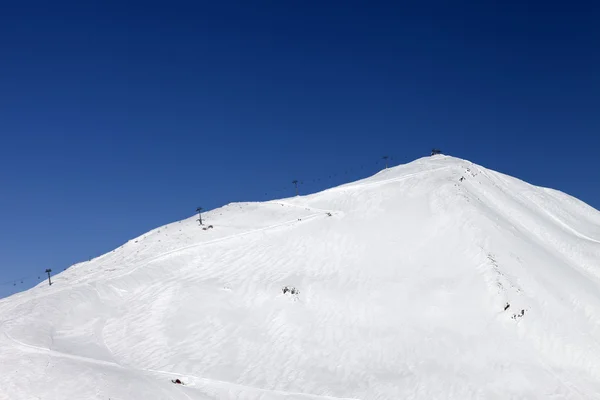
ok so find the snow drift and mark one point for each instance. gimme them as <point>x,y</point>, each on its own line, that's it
<point>437,279</point>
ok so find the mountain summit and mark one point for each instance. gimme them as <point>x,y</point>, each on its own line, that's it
<point>438,279</point>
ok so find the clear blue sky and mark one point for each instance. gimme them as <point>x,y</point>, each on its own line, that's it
<point>117,117</point>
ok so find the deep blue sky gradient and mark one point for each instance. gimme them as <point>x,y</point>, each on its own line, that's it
<point>117,117</point>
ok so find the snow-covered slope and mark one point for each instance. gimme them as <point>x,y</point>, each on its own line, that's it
<point>404,278</point>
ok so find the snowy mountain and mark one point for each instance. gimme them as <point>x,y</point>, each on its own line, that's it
<point>438,279</point>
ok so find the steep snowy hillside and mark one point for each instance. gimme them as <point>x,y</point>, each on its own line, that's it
<point>438,279</point>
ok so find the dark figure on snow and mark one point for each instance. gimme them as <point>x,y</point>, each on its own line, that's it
<point>290,289</point>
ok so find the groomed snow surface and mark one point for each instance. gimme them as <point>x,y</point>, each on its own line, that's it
<point>403,281</point>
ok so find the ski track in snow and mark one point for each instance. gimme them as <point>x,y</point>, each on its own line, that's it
<point>525,199</point>
<point>41,350</point>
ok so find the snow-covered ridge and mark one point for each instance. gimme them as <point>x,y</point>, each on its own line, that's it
<point>432,280</point>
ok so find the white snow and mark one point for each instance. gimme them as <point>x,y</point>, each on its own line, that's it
<point>402,296</point>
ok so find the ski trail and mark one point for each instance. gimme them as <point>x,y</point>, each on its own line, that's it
<point>225,384</point>
<point>362,185</point>
<point>526,199</point>
<point>309,208</point>
<point>29,348</point>
<point>569,228</point>
<point>234,236</point>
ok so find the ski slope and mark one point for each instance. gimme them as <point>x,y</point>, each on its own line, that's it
<point>404,278</point>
